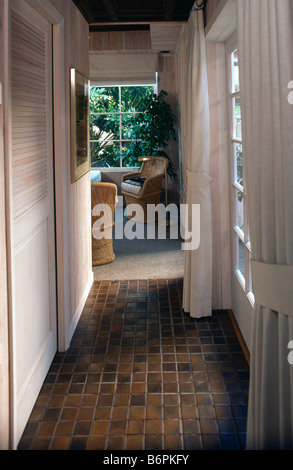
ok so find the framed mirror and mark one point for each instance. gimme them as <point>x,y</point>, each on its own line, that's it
<point>80,129</point>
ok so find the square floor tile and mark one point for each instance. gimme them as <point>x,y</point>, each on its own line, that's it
<point>140,373</point>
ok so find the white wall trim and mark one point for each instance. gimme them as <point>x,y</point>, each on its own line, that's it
<point>4,311</point>
<point>79,309</point>
<point>223,22</point>
<point>47,10</point>
<point>61,189</point>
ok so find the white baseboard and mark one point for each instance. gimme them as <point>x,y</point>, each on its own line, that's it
<point>80,308</point>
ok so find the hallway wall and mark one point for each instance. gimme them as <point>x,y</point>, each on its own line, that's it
<point>210,8</point>
<point>4,392</point>
<point>221,29</point>
<point>78,193</point>
<point>74,201</point>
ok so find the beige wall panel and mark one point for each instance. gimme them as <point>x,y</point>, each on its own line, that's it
<point>77,56</point>
<point>4,381</point>
<point>165,36</point>
<point>120,41</point>
<point>210,8</point>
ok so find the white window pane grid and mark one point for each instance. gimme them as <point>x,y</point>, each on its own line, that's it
<point>237,123</point>
<point>237,165</point>
<point>241,241</point>
<point>235,72</point>
<point>120,138</point>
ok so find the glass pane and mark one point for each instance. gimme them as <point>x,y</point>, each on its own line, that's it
<point>129,160</point>
<point>237,128</point>
<point>241,257</point>
<point>107,156</point>
<point>126,123</point>
<point>132,95</point>
<point>104,99</point>
<point>240,210</point>
<point>238,164</point>
<point>249,286</point>
<point>235,72</point>
<point>105,124</point>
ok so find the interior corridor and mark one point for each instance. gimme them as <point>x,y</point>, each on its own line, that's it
<point>142,375</point>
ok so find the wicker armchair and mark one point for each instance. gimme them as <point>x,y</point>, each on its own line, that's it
<point>102,250</point>
<point>145,186</point>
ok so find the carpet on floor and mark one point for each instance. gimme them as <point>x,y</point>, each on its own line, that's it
<point>144,257</point>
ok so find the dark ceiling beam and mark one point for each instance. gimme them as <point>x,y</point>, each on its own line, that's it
<point>108,4</point>
<point>107,11</point>
<point>169,9</point>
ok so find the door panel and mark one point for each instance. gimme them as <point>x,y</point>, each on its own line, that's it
<point>32,209</point>
<point>242,295</point>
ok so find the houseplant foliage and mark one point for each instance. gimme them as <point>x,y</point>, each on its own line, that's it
<point>106,104</point>
<point>150,131</point>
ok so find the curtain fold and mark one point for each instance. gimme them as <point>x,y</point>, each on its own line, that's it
<point>191,63</point>
<point>265,37</point>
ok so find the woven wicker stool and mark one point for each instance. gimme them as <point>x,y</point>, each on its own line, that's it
<point>150,176</point>
<point>102,249</point>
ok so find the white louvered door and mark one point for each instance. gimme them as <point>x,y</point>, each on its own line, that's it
<point>32,208</point>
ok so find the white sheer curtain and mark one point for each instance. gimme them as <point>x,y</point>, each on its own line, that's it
<point>265,41</point>
<point>191,63</point>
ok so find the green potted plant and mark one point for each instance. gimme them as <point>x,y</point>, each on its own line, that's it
<point>150,131</point>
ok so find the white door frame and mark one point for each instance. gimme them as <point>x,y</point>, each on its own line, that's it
<point>62,182</point>
<point>62,177</point>
<point>242,298</point>
<point>4,342</point>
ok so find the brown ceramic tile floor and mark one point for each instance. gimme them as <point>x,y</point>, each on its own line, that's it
<point>141,374</point>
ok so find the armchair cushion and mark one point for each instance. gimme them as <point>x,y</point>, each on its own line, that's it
<point>145,187</point>
<point>133,185</point>
<point>128,187</point>
<point>136,180</point>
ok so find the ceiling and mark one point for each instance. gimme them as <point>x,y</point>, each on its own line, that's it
<point>111,13</point>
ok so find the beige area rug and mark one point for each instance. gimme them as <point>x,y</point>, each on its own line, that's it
<point>142,258</point>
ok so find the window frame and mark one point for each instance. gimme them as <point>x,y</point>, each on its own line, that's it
<point>240,235</point>
<point>120,114</point>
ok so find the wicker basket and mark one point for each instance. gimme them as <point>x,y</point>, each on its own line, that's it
<point>154,170</point>
<point>102,249</point>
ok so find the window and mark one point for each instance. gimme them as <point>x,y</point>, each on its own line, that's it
<point>112,109</point>
<point>240,226</point>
